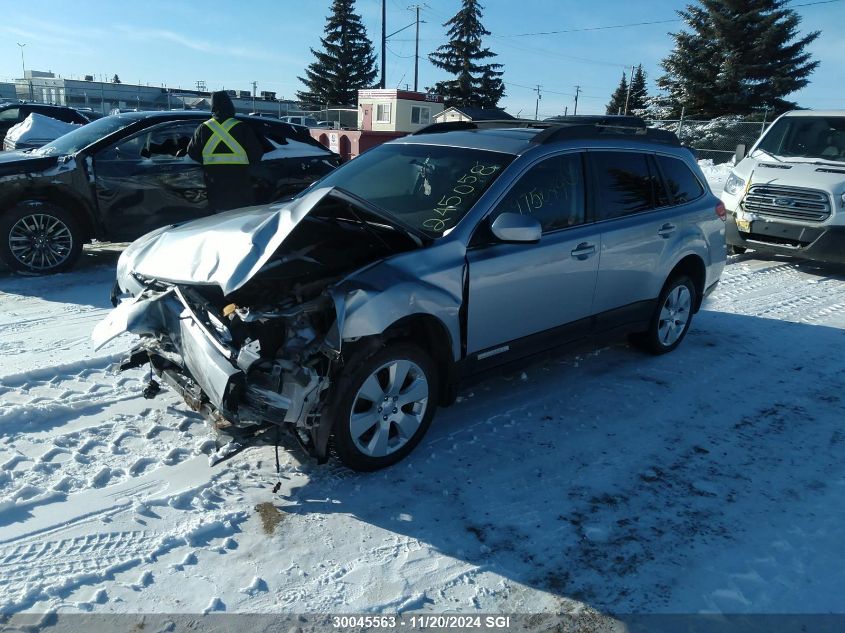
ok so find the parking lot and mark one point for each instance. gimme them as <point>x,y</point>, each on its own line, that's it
<point>707,479</point>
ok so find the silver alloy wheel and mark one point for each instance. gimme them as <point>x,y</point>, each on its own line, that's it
<point>40,241</point>
<point>674,315</point>
<point>388,408</point>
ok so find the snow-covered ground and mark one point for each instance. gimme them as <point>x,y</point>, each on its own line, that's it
<point>709,479</point>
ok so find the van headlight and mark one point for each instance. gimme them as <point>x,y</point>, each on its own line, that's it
<point>734,184</point>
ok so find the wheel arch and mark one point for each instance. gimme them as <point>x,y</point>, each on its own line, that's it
<point>429,333</point>
<point>63,199</point>
<point>693,267</point>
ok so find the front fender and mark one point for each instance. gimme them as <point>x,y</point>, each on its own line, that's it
<point>370,302</point>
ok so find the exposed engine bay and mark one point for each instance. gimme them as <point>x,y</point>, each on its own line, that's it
<point>265,353</point>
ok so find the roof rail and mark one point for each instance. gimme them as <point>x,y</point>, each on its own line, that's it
<point>568,132</point>
<point>446,126</point>
<point>490,124</point>
<point>625,120</point>
<point>553,131</point>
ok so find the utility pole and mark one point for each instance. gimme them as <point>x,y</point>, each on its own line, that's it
<point>628,94</point>
<point>537,103</point>
<point>23,65</point>
<point>383,44</point>
<point>254,88</point>
<point>577,92</point>
<point>416,48</point>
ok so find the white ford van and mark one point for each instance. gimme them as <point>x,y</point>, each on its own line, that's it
<point>787,196</point>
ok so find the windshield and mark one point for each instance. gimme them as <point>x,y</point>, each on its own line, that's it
<point>428,187</point>
<point>81,137</point>
<point>816,137</point>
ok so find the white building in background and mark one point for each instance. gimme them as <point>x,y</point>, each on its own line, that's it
<point>397,110</point>
<point>105,96</point>
<point>464,113</point>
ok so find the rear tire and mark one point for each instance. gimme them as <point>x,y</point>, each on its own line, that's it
<point>383,406</point>
<point>671,319</point>
<point>39,238</point>
<point>736,250</point>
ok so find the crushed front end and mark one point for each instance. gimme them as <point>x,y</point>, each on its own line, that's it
<point>243,368</point>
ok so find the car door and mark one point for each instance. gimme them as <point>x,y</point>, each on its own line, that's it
<point>145,181</point>
<point>519,291</point>
<point>634,234</point>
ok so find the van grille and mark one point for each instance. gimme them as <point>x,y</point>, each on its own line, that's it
<point>793,203</point>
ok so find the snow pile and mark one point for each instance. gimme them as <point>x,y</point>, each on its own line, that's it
<point>294,149</point>
<point>36,130</point>
<point>716,174</point>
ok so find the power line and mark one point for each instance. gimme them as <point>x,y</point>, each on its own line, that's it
<point>634,24</point>
<point>392,52</point>
<point>590,28</point>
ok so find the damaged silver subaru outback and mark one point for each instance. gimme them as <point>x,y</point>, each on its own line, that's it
<point>350,312</point>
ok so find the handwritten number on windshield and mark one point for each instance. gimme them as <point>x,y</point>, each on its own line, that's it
<point>452,201</point>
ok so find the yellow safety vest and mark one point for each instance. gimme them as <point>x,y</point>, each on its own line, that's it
<point>220,134</point>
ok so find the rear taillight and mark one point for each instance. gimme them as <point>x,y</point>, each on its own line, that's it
<point>720,211</point>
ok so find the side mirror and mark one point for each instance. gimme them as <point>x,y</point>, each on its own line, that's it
<point>513,227</point>
<point>739,154</point>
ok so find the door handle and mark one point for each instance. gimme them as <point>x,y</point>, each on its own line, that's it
<point>667,230</point>
<point>583,250</point>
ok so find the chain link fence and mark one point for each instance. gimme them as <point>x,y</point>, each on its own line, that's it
<point>716,139</point>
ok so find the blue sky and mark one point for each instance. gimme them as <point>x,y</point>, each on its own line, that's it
<point>231,44</point>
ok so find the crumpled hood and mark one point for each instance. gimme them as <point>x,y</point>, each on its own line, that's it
<point>226,249</point>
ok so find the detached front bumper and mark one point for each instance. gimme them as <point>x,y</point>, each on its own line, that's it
<point>818,243</point>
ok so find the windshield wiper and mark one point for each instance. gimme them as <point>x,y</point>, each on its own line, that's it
<point>382,214</point>
<point>767,153</point>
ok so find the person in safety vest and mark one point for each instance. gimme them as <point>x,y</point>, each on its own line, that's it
<point>226,147</point>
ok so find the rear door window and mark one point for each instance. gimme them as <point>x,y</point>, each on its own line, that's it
<point>681,183</point>
<point>625,183</point>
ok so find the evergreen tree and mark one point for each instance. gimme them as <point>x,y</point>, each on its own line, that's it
<point>475,84</point>
<point>737,56</point>
<point>115,79</point>
<point>617,99</point>
<point>639,91</point>
<point>345,65</point>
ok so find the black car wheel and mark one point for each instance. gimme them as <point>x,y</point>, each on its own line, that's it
<point>672,317</point>
<point>383,407</point>
<point>39,238</point>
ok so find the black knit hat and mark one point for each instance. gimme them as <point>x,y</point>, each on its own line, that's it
<point>221,106</point>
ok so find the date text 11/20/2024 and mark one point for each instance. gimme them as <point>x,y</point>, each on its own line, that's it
<point>423,621</point>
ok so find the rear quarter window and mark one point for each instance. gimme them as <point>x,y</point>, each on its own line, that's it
<point>625,183</point>
<point>681,182</point>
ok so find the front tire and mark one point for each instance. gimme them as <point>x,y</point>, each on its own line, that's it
<point>39,238</point>
<point>672,317</point>
<point>383,407</point>
<point>736,250</point>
